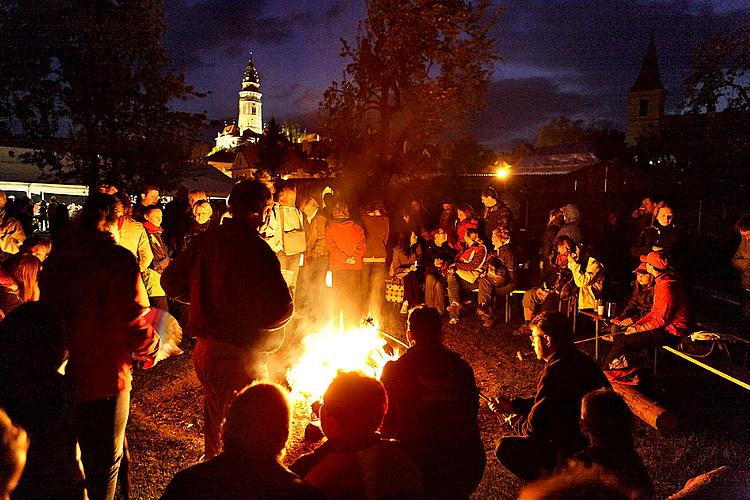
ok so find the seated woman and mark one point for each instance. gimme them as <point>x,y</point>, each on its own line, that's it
<point>466,220</point>
<point>405,267</point>
<point>463,274</point>
<point>438,256</point>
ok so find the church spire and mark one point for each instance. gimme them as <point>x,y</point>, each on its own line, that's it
<point>250,77</point>
<point>649,78</point>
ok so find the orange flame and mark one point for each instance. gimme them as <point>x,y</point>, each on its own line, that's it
<point>332,349</point>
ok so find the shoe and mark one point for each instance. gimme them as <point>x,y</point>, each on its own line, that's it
<point>488,322</point>
<point>620,363</point>
<point>454,309</point>
<point>483,313</point>
<point>453,321</point>
<point>405,307</point>
<point>522,330</point>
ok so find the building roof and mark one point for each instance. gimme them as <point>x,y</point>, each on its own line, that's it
<point>231,129</point>
<point>648,77</point>
<point>556,160</point>
<point>250,77</point>
<point>208,179</point>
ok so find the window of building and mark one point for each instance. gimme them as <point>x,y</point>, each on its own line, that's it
<point>643,107</point>
<point>253,110</point>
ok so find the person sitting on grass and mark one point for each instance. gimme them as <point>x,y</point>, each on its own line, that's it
<point>665,323</point>
<point>256,431</point>
<point>355,462</point>
<point>607,422</point>
<point>546,425</point>
<point>432,409</point>
<point>463,274</point>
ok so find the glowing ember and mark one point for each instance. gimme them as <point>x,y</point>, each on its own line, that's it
<point>333,349</point>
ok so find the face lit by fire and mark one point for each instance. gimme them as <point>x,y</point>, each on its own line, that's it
<point>151,198</point>
<point>644,278</point>
<point>202,212</point>
<point>745,233</point>
<point>665,216</point>
<point>541,343</point>
<point>154,217</point>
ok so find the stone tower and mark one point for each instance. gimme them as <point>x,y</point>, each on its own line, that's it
<point>646,98</point>
<point>251,116</point>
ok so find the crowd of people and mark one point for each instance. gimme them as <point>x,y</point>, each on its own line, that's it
<point>74,319</point>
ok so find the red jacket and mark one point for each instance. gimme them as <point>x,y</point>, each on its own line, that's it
<point>91,282</point>
<point>670,309</point>
<point>463,226</point>
<point>345,239</point>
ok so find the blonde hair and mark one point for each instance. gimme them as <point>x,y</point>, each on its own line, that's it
<point>25,270</point>
<point>195,196</point>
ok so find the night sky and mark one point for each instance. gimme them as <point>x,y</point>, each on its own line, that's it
<point>560,57</point>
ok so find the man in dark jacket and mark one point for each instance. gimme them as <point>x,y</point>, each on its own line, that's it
<point>255,434</point>
<point>239,302</point>
<point>546,425</point>
<point>499,277</point>
<point>432,410</point>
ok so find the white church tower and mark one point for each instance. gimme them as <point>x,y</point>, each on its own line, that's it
<point>251,116</point>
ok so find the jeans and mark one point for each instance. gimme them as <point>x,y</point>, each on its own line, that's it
<point>373,287</point>
<point>100,427</point>
<point>347,291</point>
<point>639,341</point>
<point>290,263</point>
<point>223,370</point>
<point>487,290</point>
<point>458,286</point>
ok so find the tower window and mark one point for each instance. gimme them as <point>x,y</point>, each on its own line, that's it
<point>643,107</point>
<point>253,112</point>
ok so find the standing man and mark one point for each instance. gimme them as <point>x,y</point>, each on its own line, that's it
<point>91,282</point>
<point>239,302</point>
<point>149,196</point>
<point>547,424</point>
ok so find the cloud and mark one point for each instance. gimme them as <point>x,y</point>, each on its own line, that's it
<point>517,107</point>
<point>205,27</point>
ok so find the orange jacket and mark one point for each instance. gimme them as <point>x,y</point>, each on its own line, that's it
<point>345,239</point>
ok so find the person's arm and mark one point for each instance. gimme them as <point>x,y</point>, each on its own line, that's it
<point>661,312</point>
<point>333,248</point>
<point>474,260</point>
<point>361,248</point>
<point>741,259</point>
<point>581,278</point>
<point>145,254</point>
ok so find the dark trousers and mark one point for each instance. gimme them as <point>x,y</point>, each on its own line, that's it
<point>412,292</point>
<point>223,370</point>
<point>159,303</point>
<point>527,458</point>
<point>373,287</point>
<point>312,281</point>
<point>100,427</point>
<point>347,289</point>
<point>639,341</point>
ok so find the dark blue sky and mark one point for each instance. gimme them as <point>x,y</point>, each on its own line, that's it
<point>560,57</point>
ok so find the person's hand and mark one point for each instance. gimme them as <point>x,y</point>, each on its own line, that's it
<point>630,330</point>
<point>500,405</point>
<point>438,263</point>
<point>616,321</point>
<point>351,260</point>
<point>626,322</point>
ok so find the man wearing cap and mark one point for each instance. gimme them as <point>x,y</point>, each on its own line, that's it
<point>665,323</point>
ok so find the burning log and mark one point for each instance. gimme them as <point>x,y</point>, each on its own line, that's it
<point>648,410</point>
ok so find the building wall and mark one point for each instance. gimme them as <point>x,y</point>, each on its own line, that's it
<point>645,114</point>
<point>251,115</point>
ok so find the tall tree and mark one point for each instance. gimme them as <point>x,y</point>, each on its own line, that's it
<point>417,70</point>
<point>93,91</point>
<point>273,148</point>
<point>720,77</point>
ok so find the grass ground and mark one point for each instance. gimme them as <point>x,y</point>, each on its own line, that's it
<point>165,433</point>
